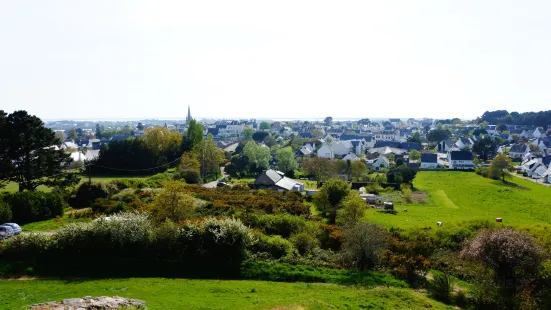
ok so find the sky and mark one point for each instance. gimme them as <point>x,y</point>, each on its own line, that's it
<point>104,59</point>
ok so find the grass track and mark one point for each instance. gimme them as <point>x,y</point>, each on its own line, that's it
<point>160,293</point>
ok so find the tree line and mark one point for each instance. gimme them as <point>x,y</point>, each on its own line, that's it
<point>539,119</point>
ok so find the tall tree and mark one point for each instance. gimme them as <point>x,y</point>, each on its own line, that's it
<point>73,134</point>
<point>247,133</point>
<point>264,125</point>
<point>259,156</point>
<point>140,126</point>
<point>352,211</point>
<point>320,168</point>
<point>414,155</point>
<point>98,131</point>
<point>285,159</point>
<point>28,153</point>
<point>209,156</point>
<point>485,147</point>
<point>328,120</point>
<point>358,169</point>
<point>416,137</point>
<point>500,167</point>
<point>194,136</point>
<point>328,199</point>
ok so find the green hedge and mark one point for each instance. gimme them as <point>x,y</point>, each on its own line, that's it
<point>33,206</point>
<point>129,245</point>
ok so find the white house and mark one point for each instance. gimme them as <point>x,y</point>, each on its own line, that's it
<point>351,157</point>
<point>341,148</point>
<point>460,160</point>
<point>446,146</point>
<point>464,143</point>
<point>381,163</point>
<point>518,151</point>
<point>537,133</point>
<point>429,161</point>
<point>325,151</point>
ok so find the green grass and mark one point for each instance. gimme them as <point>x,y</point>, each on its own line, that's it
<point>461,196</point>
<point>160,293</point>
<point>53,224</point>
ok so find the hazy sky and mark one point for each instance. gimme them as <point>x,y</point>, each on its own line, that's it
<point>274,59</point>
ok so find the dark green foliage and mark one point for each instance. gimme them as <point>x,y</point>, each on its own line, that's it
<point>259,136</point>
<point>193,136</point>
<point>27,156</point>
<point>401,174</point>
<point>30,206</point>
<point>128,156</point>
<point>87,193</point>
<point>5,212</point>
<point>328,199</point>
<point>438,135</point>
<point>128,244</point>
<point>541,118</point>
<point>191,177</point>
<point>485,147</point>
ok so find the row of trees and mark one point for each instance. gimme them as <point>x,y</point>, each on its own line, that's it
<point>540,119</point>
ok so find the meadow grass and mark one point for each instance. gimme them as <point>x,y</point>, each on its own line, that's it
<point>162,293</point>
<point>455,197</point>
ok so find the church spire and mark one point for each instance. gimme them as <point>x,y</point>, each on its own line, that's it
<point>188,118</point>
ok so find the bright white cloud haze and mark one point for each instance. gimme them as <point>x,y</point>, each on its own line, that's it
<point>64,59</point>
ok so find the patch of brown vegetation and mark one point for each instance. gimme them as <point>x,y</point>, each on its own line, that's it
<point>419,197</point>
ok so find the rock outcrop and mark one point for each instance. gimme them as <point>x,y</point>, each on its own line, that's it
<point>89,303</point>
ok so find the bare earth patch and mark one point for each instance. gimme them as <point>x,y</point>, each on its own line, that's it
<point>419,197</point>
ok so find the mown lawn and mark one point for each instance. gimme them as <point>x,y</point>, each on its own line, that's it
<point>463,196</point>
<point>161,293</point>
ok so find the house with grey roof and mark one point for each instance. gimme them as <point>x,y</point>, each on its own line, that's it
<point>278,181</point>
<point>460,160</point>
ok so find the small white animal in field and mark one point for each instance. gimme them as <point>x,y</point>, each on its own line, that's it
<point>439,224</point>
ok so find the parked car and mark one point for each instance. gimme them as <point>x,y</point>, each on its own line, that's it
<point>221,184</point>
<point>6,231</point>
<point>16,228</point>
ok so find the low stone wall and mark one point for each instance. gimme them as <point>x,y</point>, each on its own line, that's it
<point>89,303</point>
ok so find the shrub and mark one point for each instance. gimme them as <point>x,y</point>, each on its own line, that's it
<point>278,224</point>
<point>5,212</point>
<point>87,193</point>
<point>406,192</point>
<point>442,287</point>
<point>514,258</point>
<point>363,244</point>
<point>128,244</point>
<point>305,243</point>
<point>126,195</point>
<point>32,206</point>
<point>191,176</point>
<point>276,246</point>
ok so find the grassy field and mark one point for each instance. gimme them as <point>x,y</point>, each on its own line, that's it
<point>460,196</point>
<point>160,293</point>
<point>55,223</point>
